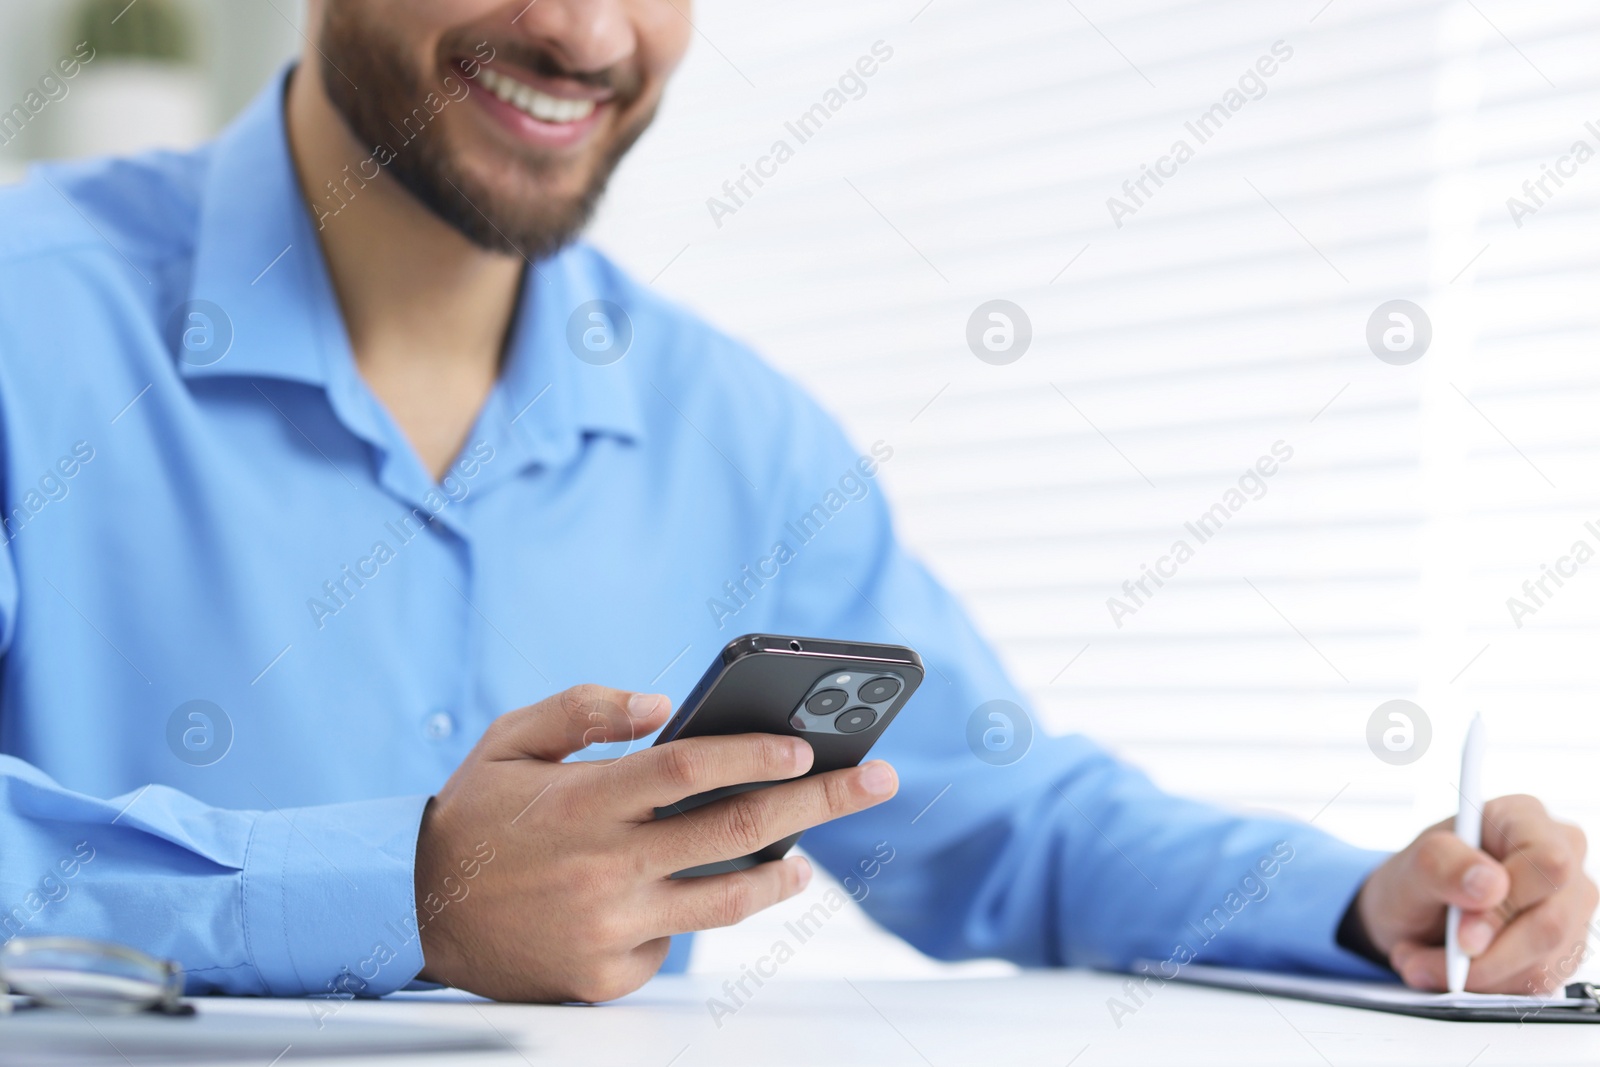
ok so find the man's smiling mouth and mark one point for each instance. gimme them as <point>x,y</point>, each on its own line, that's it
<point>530,101</point>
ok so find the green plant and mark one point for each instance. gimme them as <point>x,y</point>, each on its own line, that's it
<point>144,29</point>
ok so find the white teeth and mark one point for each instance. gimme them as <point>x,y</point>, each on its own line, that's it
<point>526,98</point>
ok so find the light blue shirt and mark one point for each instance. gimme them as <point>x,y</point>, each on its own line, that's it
<point>246,635</point>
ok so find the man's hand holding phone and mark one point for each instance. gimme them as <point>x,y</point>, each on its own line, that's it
<point>578,903</point>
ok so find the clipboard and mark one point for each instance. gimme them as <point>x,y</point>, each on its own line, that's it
<point>1578,1002</point>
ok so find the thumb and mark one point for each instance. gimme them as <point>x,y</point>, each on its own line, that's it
<point>1447,870</point>
<point>574,719</point>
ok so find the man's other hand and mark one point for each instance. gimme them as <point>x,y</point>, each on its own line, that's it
<point>1526,902</point>
<point>577,902</point>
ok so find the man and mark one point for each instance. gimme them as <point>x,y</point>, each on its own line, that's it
<point>325,444</point>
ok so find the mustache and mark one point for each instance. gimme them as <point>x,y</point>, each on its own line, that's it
<point>620,80</point>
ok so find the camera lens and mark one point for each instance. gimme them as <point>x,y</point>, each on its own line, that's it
<point>879,689</point>
<point>827,701</point>
<point>855,720</point>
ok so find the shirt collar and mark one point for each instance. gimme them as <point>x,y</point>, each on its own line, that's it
<point>258,259</point>
<point>546,391</point>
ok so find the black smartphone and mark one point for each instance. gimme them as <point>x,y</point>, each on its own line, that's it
<point>838,695</point>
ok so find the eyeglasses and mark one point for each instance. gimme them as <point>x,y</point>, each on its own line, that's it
<point>92,977</point>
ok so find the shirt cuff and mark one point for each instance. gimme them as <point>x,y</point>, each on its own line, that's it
<point>1353,935</point>
<point>329,897</point>
<point>1326,876</point>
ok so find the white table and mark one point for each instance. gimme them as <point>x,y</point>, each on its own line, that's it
<point>1049,1018</point>
<point>1039,1018</point>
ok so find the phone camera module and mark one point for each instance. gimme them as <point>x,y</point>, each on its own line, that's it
<point>855,720</point>
<point>880,689</point>
<point>827,701</point>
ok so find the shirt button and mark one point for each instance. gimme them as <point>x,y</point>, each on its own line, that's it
<point>438,726</point>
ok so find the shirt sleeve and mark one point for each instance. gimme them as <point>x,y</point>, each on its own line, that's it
<point>1064,856</point>
<point>286,902</point>
<point>282,903</point>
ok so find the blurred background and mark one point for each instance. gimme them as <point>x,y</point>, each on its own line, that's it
<point>1438,152</point>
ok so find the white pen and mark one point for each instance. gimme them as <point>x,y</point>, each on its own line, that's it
<point>1469,827</point>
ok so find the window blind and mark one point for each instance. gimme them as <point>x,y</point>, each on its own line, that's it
<point>1335,157</point>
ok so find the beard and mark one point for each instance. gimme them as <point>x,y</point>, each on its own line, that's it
<point>359,50</point>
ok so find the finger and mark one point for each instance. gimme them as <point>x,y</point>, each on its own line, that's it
<point>739,825</point>
<point>1447,870</point>
<point>1536,953</point>
<point>665,774</point>
<point>1478,929</point>
<point>1540,947</point>
<point>1423,965</point>
<point>725,899</point>
<point>573,719</point>
<point>1419,966</point>
<point>1540,854</point>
